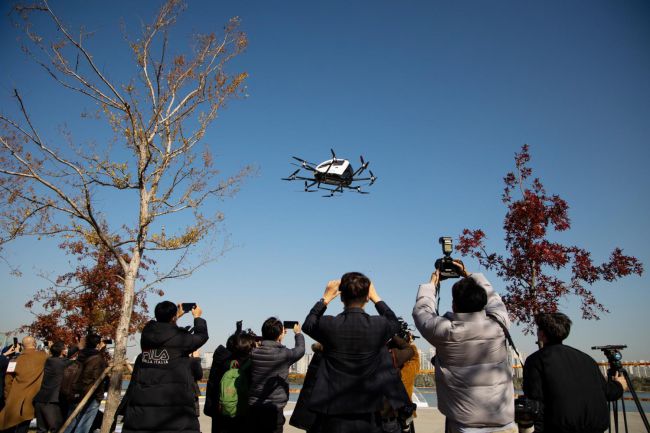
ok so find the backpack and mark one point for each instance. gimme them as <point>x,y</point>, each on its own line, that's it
<point>233,390</point>
<point>71,375</point>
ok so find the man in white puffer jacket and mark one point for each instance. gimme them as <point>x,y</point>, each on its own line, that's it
<point>472,371</point>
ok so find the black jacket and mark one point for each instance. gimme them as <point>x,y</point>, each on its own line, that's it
<point>356,372</point>
<point>52,377</point>
<point>572,389</point>
<point>162,397</point>
<point>302,417</point>
<point>220,364</point>
<point>4,363</point>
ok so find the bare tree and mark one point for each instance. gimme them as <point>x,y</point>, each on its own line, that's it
<point>159,118</point>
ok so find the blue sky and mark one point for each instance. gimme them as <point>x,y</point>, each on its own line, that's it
<point>438,96</point>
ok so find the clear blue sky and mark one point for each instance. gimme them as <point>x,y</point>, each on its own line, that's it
<point>438,96</point>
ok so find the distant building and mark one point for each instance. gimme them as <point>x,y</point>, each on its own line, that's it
<point>206,359</point>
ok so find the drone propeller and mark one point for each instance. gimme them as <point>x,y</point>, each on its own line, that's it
<point>292,176</point>
<point>361,192</point>
<point>333,154</point>
<point>361,168</point>
<point>373,178</point>
<point>364,164</point>
<point>304,164</point>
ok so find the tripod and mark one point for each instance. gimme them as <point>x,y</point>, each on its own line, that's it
<point>614,356</point>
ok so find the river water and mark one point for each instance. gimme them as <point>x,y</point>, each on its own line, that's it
<point>429,395</point>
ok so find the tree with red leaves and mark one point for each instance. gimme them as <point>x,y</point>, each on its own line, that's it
<point>89,298</point>
<point>532,262</point>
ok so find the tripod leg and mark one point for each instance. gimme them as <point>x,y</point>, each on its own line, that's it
<point>615,413</point>
<point>624,414</point>
<point>636,399</point>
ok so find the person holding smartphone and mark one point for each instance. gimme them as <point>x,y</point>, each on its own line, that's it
<point>269,390</point>
<point>161,396</point>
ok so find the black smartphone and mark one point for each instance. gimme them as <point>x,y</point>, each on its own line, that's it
<point>107,341</point>
<point>187,306</point>
<point>15,341</point>
<point>289,324</point>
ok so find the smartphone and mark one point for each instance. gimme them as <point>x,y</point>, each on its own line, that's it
<point>107,341</point>
<point>15,341</point>
<point>289,324</point>
<point>187,306</point>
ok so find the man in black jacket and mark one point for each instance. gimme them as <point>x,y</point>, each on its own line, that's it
<point>162,396</point>
<point>571,387</point>
<point>46,402</point>
<point>93,367</point>
<point>353,376</point>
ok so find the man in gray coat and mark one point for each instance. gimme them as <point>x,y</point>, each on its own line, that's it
<point>473,374</point>
<point>269,387</point>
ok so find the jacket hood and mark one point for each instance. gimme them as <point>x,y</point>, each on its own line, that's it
<point>155,334</point>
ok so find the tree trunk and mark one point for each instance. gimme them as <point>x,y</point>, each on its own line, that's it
<point>121,337</point>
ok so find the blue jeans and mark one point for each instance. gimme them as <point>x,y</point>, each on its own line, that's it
<point>84,420</point>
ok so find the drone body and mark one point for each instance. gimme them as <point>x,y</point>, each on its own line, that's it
<point>337,173</point>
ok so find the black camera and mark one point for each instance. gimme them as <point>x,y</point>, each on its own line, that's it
<point>405,332</point>
<point>527,411</point>
<point>446,265</point>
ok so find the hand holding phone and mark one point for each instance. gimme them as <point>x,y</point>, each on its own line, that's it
<point>187,306</point>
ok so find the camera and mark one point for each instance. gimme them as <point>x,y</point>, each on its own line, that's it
<point>527,411</point>
<point>445,264</point>
<point>405,332</point>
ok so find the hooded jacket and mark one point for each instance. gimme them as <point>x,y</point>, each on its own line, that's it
<point>473,374</point>
<point>162,395</point>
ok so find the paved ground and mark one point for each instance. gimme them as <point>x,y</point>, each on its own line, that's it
<point>430,420</point>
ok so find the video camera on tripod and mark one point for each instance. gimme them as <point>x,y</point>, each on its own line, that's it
<point>614,356</point>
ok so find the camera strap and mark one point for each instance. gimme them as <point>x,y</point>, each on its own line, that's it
<point>507,334</point>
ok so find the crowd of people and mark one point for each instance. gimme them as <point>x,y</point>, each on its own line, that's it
<point>360,378</point>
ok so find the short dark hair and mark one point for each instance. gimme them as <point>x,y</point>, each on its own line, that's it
<point>468,296</point>
<point>165,311</point>
<point>354,287</point>
<point>240,345</point>
<point>272,328</point>
<point>556,326</point>
<point>92,340</point>
<point>57,348</point>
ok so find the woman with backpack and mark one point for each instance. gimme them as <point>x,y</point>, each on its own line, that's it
<point>229,374</point>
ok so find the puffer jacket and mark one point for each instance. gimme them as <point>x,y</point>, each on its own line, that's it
<point>271,362</point>
<point>473,374</point>
<point>161,397</point>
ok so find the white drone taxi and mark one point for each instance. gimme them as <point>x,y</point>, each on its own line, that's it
<point>335,172</point>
